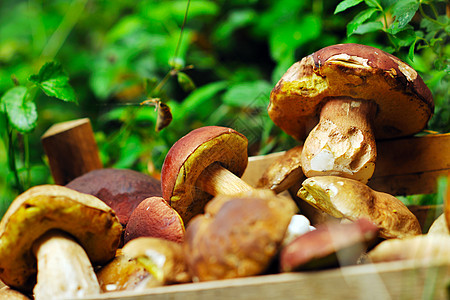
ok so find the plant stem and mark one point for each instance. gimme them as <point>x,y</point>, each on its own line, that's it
<point>65,27</point>
<point>422,12</point>
<point>12,156</point>
<point>177,49</point>
<point>26,146</point>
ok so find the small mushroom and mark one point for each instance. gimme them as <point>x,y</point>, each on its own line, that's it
<point>439,226</point>
<point>352,94</point>
<point>330,245</point>
<point>154,217</point>
<point>284,172</point>
<point>143,263</point>
<point>425,248</point>
<point>206,162</point>
<point>11,294</point>
<point>56,232</point>
<point>238,235</point>
<point>120,189</point>
<point>351,199</point>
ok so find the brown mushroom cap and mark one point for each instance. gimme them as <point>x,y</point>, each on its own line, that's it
<point>238,235</point>
<point>190,155</point>
<point>154,217</point>
<point>405,103</point>
<point>121,189</point>
<point>350,199</point>
<point>46,207</point>
<point>330,245</point>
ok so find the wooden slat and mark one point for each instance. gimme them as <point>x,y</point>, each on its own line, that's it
<point>405,166</point>
<point>394,280</point>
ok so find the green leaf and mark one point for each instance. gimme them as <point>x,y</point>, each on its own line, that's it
<point>369,27</point>
<point>411,50</point>
<point>54,82</point>
<point>202,95</point>
<point>359,19</point>
<point>21,112</point>
<point>248,94</point>
<point>292,34</point>
<point>346,4</point>
<point>404,11</point>
<point>186,83</point>
<point>372,3</point>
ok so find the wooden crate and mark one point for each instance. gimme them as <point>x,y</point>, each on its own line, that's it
<point>394,280</point>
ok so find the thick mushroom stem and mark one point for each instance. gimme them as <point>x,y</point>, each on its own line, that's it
<point>217,180</point>
<point>342,143</point>
<point>64,269</point>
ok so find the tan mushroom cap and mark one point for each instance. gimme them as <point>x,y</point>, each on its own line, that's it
<point>238,235</point>
<point>42,208</point>
<point>405,104</point>
<point>190,155</point>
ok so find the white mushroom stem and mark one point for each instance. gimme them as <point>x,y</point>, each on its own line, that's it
<point>298,226</point>
<point>64,269</point>
<point>217,180</point>
<point>342,143</point>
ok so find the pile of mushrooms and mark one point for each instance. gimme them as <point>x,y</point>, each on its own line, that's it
<point>112,230</point>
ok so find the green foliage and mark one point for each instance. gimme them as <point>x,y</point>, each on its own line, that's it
<point>19,109</point>
<point>210,62</point>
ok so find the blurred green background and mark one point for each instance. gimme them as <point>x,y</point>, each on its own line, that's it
<point>219,71</point>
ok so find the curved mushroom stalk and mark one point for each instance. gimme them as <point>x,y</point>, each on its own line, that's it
<point>342,143</point>
<point>64,269</point>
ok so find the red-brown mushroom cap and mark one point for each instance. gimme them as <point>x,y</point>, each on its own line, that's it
<point>190,155</point>
<point>154,217</point>
<point>330,245</point>
<point>120,189</point>
<point>405,103</point>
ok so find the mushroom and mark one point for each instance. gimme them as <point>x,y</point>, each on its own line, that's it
<point>56,233</point>
<point>330,245</point>
<point>284,172</point>
<point>121,189</point>
<point>206,162</point>
<point>238,235</point>
<point>145,262</point>
<point>439,226</point>
<point>154,217</point>
<point>11,294</point>
<point>360,93</point>
<point>351,199</point>
<point>425,248</point>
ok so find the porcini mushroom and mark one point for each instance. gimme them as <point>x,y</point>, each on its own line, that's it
<point>143,263</point>
<point>206,162</point>
<point>284,172</point>
<point>56,232</point>
<point>154,217</point>
<point>120,189</point>
<point>360,93</point>
<point>237,236</point>
<point>330,245</point>
<point>439,226</point>
<point>351,199</point>
<point>425,248</point>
